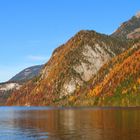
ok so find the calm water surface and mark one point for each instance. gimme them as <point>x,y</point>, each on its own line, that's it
<point>42,123</point>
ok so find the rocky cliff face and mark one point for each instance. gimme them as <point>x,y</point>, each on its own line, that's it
<point>135,34</point>
<point>71,66</point>
<point>118,81</point>
<point>6,90</point>
<point>128,28</point>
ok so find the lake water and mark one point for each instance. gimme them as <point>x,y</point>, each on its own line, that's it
<point>42,123</point>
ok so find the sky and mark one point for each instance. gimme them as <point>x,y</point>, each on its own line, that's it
<point>31,29</point>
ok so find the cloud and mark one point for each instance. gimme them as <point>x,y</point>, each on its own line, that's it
<point>37,58</point>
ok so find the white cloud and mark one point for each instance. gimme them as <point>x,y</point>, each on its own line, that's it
<point>37,58</point>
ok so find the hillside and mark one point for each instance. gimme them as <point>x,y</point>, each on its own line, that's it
<point>6,90</point>
<point>71,67</point>
<point>117,83</point>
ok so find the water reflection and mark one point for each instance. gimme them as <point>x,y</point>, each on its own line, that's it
<point>69,124</point>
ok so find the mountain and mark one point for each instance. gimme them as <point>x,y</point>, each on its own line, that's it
<point>117,83</point>
<point>27,74</point>
<point>89,69</point>
<point>71,67</point>
<point>7,88</point>
<point>129,29</point>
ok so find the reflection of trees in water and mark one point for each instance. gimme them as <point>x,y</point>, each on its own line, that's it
<point>80,124</point>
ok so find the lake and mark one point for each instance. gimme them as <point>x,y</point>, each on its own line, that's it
<point>43,123</point>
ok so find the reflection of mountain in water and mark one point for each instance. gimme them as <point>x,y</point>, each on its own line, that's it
<point>75,124</point>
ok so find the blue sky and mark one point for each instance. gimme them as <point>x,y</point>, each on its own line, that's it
<point>31,29</point>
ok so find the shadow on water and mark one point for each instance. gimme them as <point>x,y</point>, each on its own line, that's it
<point>69,124</point>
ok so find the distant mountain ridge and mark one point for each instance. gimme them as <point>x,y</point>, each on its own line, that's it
<point>17,81</point>
<point>127,28</point>
<point>27,74</point>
